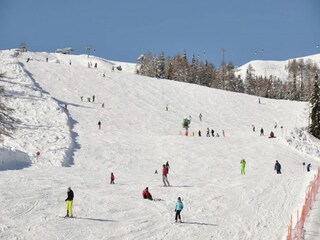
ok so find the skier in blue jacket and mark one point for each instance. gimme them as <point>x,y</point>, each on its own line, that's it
<point>178,209</point>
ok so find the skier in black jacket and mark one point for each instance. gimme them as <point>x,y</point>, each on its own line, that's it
<point>69,201</point>
<point>277,167</point>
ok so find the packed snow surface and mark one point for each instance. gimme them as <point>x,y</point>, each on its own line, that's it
<point>137,136</point>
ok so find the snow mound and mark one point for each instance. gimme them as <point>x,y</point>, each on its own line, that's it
<point>12,159</point>
<point>301,140</point>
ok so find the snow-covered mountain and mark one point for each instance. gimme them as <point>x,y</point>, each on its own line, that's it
<point>274,68</point>
<point>137,136</point>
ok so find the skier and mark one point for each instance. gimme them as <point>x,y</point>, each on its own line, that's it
<point>308,167</point>
<point>81,98</point>
<point>47,59</point>
<point>146,194</point>
<point>95,65</point>
<point>167,107</point>
<point>223,134</point>
<point>104,74</point>
<point>164,176</point>
<point>259,101</point>
<point>212,132</point>
<point>253,128</point>
<point>93,98</point>
<point>99,124</point>
<point>112,69</point>
<point>208,132</point>
<point>261,132</point>
<point>178,209</point>
<point>275,125</point>
<point>66,106</point>
<point>69,62</point>
<point>88,99</point>
<point>199,133</point>
<point>243,166</point>
<point>69,201</point>
<point>102,105</point>
<point>112,178</point>
<point>200,117</point>
<point>277,167</point>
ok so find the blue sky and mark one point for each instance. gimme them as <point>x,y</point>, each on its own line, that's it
<point>122,30</point>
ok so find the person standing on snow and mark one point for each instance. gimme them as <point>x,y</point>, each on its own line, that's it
<point>93,98</point>
<point>277,167</point>
<point>112,178</point>
<point>199,133</point>
<point>308,167</point>
<point>178,209</point>
<point>69,203</point>
<point>99,124</point>
<point>212,132</point>
<point>208,132</point>
<point>164,176</point>
<point>261,132</point>
<point>146,194</point>
<point>200,117</point>
<point>243,166</point>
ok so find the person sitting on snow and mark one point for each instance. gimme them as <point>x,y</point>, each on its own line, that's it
<point>146,194</point>
<point>272,135</point>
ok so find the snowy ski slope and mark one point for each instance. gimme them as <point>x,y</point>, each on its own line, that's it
<point>136,138</point>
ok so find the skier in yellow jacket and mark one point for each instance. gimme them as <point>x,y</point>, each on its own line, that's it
<point>243,166</point>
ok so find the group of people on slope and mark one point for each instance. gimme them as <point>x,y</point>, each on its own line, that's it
<point>277,167</point>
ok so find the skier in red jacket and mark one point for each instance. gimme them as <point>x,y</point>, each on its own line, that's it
<point>146,194</point>
<point>164,176</point>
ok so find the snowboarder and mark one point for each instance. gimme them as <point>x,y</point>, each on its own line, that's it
<point>112,178</point>
<point>99,124</point>
<point>208,132</point>
<point>243,166</point>
<point>93,98</point>
<point>212,132</point>
<point>178,209</point>
<point>200,117</point>
<point>69,201</point>
<point>308,167</point>
<point>261,132</point>
<point>277,167</point>
<point>146,194</point>
<point>164,176</point>
<point>199,133</point>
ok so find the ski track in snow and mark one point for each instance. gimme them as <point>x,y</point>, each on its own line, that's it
<point>136,138</point>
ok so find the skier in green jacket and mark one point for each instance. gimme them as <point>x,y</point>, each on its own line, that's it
<point>243,166</point>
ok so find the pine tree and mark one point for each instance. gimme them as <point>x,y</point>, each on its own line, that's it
<point>314,127</point>
<point>185,124</point>
<point>7,122</point>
